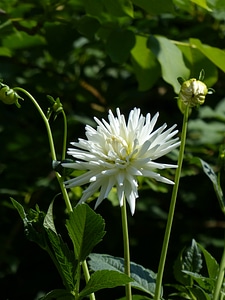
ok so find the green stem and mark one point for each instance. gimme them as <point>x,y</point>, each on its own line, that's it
<point>220,278</point>
<point>53,155</point>
<point>126,248</point>
<point>162,261</point>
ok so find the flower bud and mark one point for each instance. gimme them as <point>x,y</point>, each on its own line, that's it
<point>9,96</point>
<point>193,92</point>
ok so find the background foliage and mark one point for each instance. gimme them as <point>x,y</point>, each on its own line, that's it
<point>95,55</point>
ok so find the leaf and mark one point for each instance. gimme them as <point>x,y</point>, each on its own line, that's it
<point>119,45</point>
<point>65,259</point>
<point>211,263</point>
<point>206,283</point>
<point>48,220</point>
<point>104,279</point>
<point>136,297</point>
<point>144,279</point>
<point>198,293</point>
<point>192,260</point>
<point>202,3</point>
<point>170,58</point>
<point>155,6</point>
<point>58,295</point>
<point>216,55</point>
<point>212,176</point>
<point>86,229</point>
<point>33,224</point>
<point>146,67</point>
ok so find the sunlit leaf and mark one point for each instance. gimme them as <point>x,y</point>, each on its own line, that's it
<point>202,3</point>
<point>144,279</point>
<point>170,59</point>
<point>86,229</point>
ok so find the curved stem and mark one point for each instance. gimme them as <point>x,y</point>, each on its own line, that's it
<point>171,209</point>
<point>53,155</point>
<point>126,248</point>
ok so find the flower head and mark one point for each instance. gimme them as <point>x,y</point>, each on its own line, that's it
<point>116,152</point>
<point>193,92</point>
<point>9,96</point>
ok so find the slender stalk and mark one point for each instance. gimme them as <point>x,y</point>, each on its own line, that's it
<point>126,248</point>
<point>220,278</point>
<point>171,209</point>
<point>53,155</point>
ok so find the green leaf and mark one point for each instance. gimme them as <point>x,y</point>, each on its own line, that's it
<point>213,177</point>
<point>119,45</point>
<point>144,279</point>
<point>216,55</point>
<point>202,3</point>
<point>104,279</point>
<point>58,295</point>
<point>170,58</point>
<point>196,60</point>
<point>86,229</point>
<point>88,26</point>
<point>20,40</point>
<point>4,51</point>
<point>155,6</point>
<point>198,293</point>
<point>146,67</point>
<point>48,220</point>
<point>33,224</point>
<point>206,283</point>
<point>136,297</point>
<point>65,259</point>
<point>192,260</point>
<point>211,263</point>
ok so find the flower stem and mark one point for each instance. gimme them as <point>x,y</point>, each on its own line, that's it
<point>220,278</point>
<point>162,261</point>
<point>53,155</point>
<point>126,248</point>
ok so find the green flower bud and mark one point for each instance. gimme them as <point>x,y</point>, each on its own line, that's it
<point>193,92</point>
<point>9,96</point>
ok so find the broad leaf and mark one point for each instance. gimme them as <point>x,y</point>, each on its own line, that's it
<point>144,279</point>
<point>216,55</point>
<point>86,229</point>
<point>206,283</point>
<point>211,263</point>
<point>170,58</point>
<point>155,6</point>
<point>202,3</point>
<point>192,260</point>
<point>146,67</point>
<point>104,279</point>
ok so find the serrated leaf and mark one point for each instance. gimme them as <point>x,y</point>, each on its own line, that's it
<point>144,279</point>
<point>170,58</point>
<point>146,67</point>
<point>48,220</point>
<point>65,259</point>
<point>58,295</point>
<point>104,279</point>
<point>86,229</point>
<point>192,259</point>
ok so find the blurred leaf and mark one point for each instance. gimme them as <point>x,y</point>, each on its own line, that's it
<point>146,67</point>
<point>155,6</point>
<point>86,229</point>
<point>202,3</point>
<point>119,45</point>
<point>4,51</point>
<point>104,279</point>
<point>144,279</point>
<point>170,58</point>
<point>88,26</point>
<point>216,55</point>
<point>20,40</point>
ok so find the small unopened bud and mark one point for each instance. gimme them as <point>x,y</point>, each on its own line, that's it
<point>9,96</point>
<point>193,92</point>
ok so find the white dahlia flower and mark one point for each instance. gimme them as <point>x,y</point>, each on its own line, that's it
<point>116,152</point>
